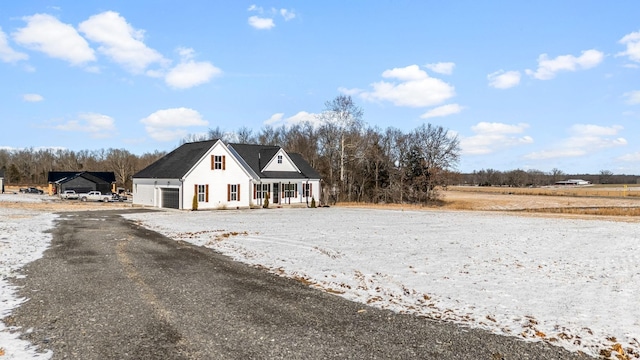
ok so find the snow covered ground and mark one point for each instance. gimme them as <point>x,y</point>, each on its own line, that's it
<point>574,283</point>
<point>22,240</point>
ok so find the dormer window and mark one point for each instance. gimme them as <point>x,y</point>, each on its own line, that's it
<point>279,159</point>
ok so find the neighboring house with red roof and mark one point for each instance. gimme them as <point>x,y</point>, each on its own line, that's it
<point>223,176</point>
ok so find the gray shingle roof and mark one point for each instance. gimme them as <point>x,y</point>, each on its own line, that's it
<point>304,166</point>
<point>257,156</point>
<point>95,176</point>
<point>177,163</point>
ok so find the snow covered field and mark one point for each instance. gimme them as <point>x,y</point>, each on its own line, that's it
<point>574,283</point>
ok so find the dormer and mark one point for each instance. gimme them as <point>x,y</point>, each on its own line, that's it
<point>280,162</point>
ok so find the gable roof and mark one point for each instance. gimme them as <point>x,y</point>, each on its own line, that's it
<point>257,156</point>
<point>95,176</point>
<point>177,163</point>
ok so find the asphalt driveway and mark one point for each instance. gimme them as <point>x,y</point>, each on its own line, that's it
<point>109,289</point>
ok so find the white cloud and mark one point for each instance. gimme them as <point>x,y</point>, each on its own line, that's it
<point>170,124</point>
<point>7,54</point>
<point>47,34</point>
<point>97,125</point>
<point>491,137</point>
<point>266,21</point>
<point>413,88</point>
<point>190,73</point>
<point>287,14</point>
<point>32,97</point>
<point>583,139</point>
<point>633,97</point>
<point>261,23</point>
<point>445,68</point>
<point>632,41</point>
<point>120,41</point>
<point>300,118</point>
<point>504,79</point>
<point>548,68</point>
<point>444,110</point>
<point>274,119</point>
<point>633,157</point>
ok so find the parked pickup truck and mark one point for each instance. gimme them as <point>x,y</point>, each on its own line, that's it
<point>94,196</point>
<point>68,195</point>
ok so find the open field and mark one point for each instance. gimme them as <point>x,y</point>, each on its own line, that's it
<point>614,190</point>
<point>602,202</point>
<point>480,259</point>
<point>566,281</point>
<point>578,202</point>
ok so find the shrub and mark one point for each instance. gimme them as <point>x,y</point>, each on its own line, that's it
<point>313,202</point>
<point>194,202</point>
<point>265,204</point>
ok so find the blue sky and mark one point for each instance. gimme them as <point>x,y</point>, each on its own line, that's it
<point>524,85</point>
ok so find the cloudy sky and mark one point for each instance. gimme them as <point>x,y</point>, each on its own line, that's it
<point>535,85</point>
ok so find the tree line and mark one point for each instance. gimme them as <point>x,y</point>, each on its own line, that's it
<point>32,166</point>
<point>534,178</point>
<point>357,162</point>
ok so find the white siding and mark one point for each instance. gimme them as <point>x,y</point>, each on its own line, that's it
<point>286,165</point>
<point>146,192</point>
<point>217,181</point>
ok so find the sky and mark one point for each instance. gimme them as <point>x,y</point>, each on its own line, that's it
<point>544,85</point>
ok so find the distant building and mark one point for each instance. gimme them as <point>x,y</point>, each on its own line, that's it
<point>81,181</point>
<point>573,182</point>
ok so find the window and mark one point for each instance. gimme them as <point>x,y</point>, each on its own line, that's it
<point>202,193</point>
<point>289,190</point>
<point>306,190</point>
<point>279,159</point>
<point>217,162</point>
<point>260,190</point>
<point>233,192</point>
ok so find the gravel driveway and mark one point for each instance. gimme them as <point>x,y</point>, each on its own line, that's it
<point>108,289</point>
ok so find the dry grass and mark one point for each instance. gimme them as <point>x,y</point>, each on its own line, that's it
<point>594,202</point>
<point>589,191</point>
<point>55,204</point>
<point>578,203</point>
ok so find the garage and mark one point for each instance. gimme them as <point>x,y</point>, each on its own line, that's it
<point>170,198</point>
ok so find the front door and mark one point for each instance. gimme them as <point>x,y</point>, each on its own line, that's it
<point>276,193</point>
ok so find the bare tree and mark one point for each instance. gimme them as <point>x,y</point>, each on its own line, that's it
<point>605,176</point>
<point>439,151</point>
<point>122,163</point>
<point>245,136</point>
<point>556,175</point>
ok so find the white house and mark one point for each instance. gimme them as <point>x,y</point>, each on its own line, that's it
<point>226,177</point>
